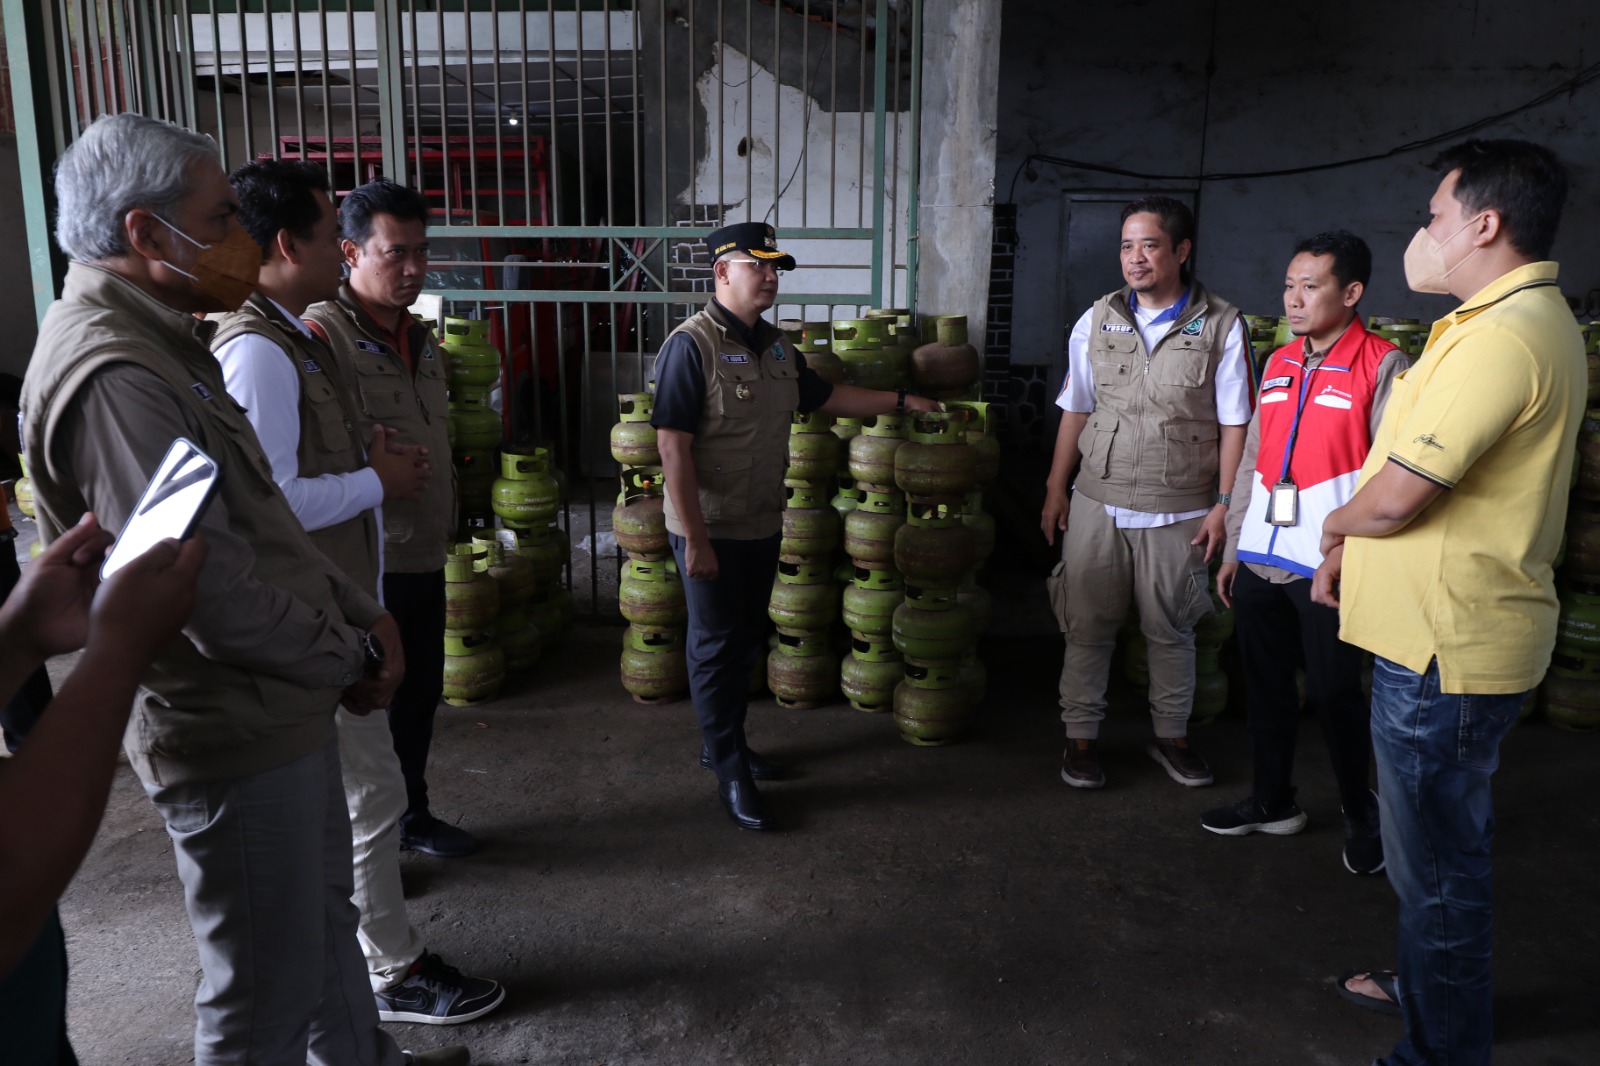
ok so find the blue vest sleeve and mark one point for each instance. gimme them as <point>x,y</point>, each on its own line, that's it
<point>680,385</point>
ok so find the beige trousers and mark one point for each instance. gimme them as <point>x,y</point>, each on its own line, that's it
<point>1106,568</point>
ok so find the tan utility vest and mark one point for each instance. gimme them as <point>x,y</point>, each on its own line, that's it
<point>741,446</point>
<point>416,535</point>
<point>1151,442</point>
<point>195,719</point>
<point>328,440</point>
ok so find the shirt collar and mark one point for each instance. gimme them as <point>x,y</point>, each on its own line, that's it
<point>294,320</point>
<point>749,336</point>
<point>1171,314</point>
<point>1501,287</point>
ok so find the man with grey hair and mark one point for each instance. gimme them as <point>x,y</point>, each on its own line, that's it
<point>232,734</point>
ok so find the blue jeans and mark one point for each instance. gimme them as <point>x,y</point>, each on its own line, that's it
<point>1435,755</point>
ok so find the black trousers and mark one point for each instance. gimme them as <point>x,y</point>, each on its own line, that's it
<point>20,713</point>
<point>727,633</point>
<point>417,603</point>
<point>1276,626</point>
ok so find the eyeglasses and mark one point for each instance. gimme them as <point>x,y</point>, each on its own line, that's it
<point>760,267</point>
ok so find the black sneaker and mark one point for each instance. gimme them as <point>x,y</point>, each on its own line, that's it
<point>435,993</point>
<point>1249,816</point>
<point>427,834</point>
<point>1363,840</point>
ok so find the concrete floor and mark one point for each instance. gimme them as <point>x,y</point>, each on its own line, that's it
<point>955,905</point>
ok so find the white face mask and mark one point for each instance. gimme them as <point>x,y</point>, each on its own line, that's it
<point>1425,266</point>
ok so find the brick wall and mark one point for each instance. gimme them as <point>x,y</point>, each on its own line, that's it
<point>688,265</point>
<point>997,341</point>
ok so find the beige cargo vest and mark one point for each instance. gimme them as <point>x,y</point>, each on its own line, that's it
<point>416,535</point>
<point>196,719</point>
<point>1151,442</point>
<point>741,446</point>
<point>328,440</point>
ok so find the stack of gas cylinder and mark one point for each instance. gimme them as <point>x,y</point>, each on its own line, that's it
<point>472,366</point>
<point>1570,694</point>
<point>935,628</point>
<point>474,665</point>
<point>650,590</point>
<point>803,667</point>
<point>874,509</point>
<point>519,487</point>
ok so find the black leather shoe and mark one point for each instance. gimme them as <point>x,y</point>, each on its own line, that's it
<point>743,804</point>
<point>761,768</point>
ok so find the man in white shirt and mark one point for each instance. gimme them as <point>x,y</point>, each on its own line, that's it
<point>283,374</point>
<point>1157,397</point>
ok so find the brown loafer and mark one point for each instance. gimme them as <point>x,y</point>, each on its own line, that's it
<point>1180,762</point>
<point>1080,765</point>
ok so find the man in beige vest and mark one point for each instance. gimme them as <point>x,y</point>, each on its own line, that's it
<point>394,367</point>
<point>303,412</point>
<point>727,383</point>
<point>233,734</point>
<point>1157,397</point>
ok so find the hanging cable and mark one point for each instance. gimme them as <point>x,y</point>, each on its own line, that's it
<point>1572,84</point>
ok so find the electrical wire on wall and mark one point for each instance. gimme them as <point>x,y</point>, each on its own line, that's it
<point>1577,81</point>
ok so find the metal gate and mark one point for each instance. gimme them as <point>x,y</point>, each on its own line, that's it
<point>575,153</point>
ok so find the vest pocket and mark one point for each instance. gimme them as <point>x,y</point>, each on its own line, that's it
<point>323,397</point>
<point>1191,454</point>
<point>724,478</point>
<point>1182,362</point>
<point>1095,444</point>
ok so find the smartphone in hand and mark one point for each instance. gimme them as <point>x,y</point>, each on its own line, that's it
<point>171,506</point>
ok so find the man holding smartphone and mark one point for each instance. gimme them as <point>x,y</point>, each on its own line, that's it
<point>300,405</point>
<point>233,734</point>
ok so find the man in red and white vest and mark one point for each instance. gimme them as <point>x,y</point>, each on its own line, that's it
<point>1321,398</point>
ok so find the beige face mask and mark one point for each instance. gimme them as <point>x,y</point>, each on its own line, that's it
<point>226,271</point>
<point>1425,268</point>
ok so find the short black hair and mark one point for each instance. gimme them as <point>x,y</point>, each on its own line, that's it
<point>1525,182</point>
<point>277,194</point>
<point>381,197</point>
<point>1175,219</point>
<point>1352,259</point>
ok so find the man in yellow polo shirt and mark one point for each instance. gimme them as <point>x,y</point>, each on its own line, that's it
<point>1446,575</point>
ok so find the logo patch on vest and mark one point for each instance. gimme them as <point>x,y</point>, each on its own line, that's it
<point>1115,327</point>
<point>369,346</point>
<point>312,366</point>
<point>735,357</point>
<point>427,352</point>
<point>1193,329</point>
<point>201,391</point>
<point>777,352</point>
<point>1277,383</point>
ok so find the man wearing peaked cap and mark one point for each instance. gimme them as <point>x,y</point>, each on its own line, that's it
<point>727,383</point>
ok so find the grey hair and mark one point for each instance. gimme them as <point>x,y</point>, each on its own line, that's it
<point>121,162</point>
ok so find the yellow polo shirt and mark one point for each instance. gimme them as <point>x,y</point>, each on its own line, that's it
<point>1491,412</point>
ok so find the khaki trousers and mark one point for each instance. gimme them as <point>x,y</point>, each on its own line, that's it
<point>1105,569</point>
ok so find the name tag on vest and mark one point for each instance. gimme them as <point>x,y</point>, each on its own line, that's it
<point>735,357</point>
<point>201,391</point>
<point>369,346</point>
<point>1277,383</point>
<point>312,366</point>
<point>1115,327</point>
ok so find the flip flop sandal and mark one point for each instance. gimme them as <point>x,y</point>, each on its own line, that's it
<point>1384,979</point>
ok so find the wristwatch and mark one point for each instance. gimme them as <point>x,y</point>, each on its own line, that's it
<point>1225,499</point>
<point>899,401</point>
<point>372,649</point>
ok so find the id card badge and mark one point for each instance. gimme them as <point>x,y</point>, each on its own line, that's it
<point>1283,506</point>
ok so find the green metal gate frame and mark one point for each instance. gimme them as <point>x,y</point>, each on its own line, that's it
<point>154,41</point>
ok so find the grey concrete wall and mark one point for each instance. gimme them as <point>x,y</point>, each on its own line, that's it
<point>1125,85</point>
<point>960,74</point>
